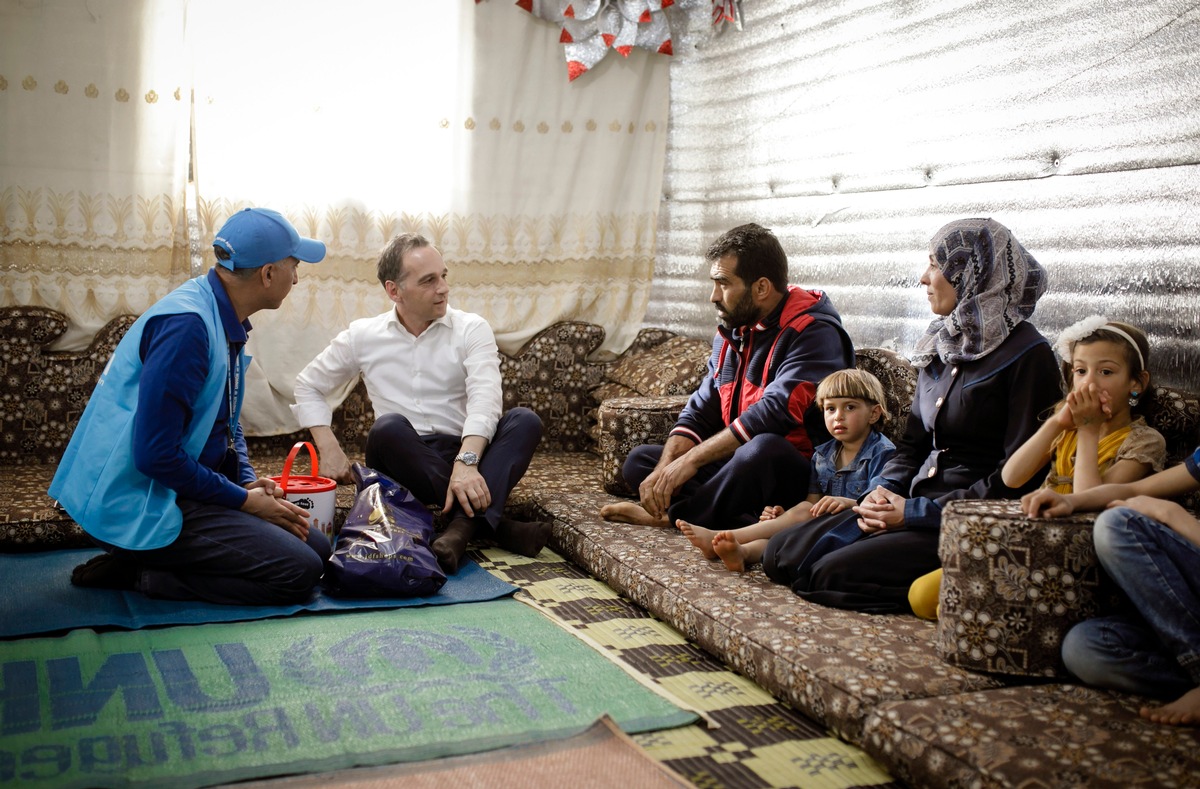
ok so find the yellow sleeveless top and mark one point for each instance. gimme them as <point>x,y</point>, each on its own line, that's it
<point>1062,476</point>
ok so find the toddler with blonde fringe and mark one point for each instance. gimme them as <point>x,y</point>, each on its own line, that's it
<point>852,403</point>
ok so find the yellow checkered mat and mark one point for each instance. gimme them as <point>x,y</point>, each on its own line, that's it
<point>752,739</point>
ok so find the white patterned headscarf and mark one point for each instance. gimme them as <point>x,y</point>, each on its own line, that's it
<point>997,283</point>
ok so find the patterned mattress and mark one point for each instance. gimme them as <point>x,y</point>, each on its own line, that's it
<point>876,681</point>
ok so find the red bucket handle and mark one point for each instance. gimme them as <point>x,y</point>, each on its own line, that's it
<point>287,465</point>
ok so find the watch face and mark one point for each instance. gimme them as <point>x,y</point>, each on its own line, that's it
<point>469,458</point>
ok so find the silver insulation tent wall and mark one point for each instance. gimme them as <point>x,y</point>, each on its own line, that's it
<point>856,128</point>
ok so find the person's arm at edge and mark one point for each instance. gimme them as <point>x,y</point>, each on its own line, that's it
<point>1166,484</point>
<point>331,368</point>
<point>1169,513</point>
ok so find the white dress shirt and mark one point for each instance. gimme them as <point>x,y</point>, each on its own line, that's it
<point>446,380</point>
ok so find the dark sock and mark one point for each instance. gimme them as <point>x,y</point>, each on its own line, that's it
<point>450,545</point>
<point>527,538</point>
<point>106,572</point>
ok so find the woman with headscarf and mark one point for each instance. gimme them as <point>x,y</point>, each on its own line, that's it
<point>985,375</point>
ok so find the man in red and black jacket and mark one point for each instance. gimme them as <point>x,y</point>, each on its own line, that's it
<point>740,443</point>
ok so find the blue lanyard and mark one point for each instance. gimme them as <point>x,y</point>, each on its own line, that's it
<point>233,384</point>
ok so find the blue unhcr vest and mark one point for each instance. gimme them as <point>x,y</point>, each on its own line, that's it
<point>96,481</point>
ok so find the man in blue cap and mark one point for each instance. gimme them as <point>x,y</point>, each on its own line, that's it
<point>157,471</point>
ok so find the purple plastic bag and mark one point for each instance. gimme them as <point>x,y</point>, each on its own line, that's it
<point>382,549</point>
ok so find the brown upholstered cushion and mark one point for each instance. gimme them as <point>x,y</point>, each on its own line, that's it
<point>627,422</point>
<point>657,364</point>
<point>611,389</point>
<point>552,376</point>
<point>1012,587</point>
<point>899,379</point>
<point>44,391</point>
<point>1176,414</point>
<point>673,367</point>
<point>1031,736</point>
<point>608,390</point>
<point>29,519</point>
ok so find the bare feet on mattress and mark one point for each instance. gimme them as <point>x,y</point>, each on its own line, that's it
<point>1183,711</point>
<point>630,512</point>
<point>699,536</point>
<point>730,551</point>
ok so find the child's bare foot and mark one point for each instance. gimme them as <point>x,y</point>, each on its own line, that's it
<point>730,551</point>
<point>631,512</point>
<point>1183,711</point>
<point>699,536</point>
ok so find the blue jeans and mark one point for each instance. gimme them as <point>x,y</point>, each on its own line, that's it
<point>231,557</point>
<point>1153,650</point>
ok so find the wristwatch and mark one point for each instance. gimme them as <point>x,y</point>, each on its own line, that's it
<point>467,458</point>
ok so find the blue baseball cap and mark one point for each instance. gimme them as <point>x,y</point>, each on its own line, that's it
<point>254,237</point>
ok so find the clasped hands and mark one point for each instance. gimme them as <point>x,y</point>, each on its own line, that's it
<point>656,490</point>
<point>265,500</point>
<point>880,510</point>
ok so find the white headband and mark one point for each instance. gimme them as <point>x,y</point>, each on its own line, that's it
<point>1086,328</point>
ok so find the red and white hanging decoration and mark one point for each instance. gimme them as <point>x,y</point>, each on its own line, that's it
<point>724,11</point>
<point>590,28</point>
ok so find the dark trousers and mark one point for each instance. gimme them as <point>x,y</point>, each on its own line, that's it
<point>423,463</point>
<point>871,574</point>
<point>766,470</point>
<point>231,557</point>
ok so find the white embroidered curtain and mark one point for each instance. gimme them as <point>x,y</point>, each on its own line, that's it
<point>94,119</point>
<point>358,120</point>
<point>362,120</point>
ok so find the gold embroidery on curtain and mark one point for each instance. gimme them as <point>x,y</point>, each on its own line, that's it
<point>91,256</point>
<point>356,234</point>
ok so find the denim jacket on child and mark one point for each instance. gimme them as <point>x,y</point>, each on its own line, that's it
<point>854,480</point>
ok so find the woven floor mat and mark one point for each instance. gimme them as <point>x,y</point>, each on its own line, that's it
<point>599,758</point>
<point>753,740</point>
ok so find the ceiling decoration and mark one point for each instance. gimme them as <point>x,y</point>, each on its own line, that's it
<point>593,28</point>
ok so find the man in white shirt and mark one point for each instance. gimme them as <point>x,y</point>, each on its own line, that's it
<point>433,375</point>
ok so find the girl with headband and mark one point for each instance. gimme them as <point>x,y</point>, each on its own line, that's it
<point>1094,436</point>
<point>1147,543</point>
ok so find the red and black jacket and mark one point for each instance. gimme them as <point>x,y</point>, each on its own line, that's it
<point>763,378</point>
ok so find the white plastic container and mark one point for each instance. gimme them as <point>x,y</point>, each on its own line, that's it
<point>316,494</point>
